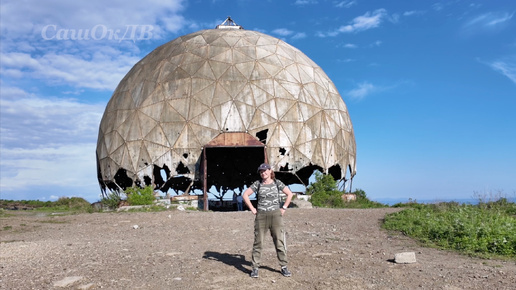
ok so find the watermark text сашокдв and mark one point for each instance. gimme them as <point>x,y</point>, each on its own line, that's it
<point>98,32</point>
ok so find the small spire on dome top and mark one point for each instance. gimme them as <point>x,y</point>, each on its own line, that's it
<point>229,24</point>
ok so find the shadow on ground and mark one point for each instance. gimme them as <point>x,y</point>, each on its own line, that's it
<point>236,260</point>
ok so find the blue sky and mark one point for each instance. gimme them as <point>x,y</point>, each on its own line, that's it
<point>430,85</point>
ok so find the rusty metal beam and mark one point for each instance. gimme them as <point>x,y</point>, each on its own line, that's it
<point>238,139</point>
<point>205,180</point>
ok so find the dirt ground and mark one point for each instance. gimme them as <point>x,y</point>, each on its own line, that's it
<point>327,248</point>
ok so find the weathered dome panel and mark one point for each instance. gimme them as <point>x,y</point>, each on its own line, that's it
<point>188,91</point>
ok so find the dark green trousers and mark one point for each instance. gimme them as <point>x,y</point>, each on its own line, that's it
<point>269,221</point>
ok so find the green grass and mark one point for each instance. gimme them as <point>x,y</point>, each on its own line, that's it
<point>483,230</point>
<point>29,203</point>
<point>4,213</point>
<point>68,205</point>
<point>73,205</point>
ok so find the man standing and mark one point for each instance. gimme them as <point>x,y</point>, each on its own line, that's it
<point>240,199</point>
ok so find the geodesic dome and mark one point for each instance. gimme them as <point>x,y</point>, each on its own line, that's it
<point>206,85</point>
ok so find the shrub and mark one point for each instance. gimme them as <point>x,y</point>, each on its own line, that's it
<point>76,203</point>
<point>111,200</point>
<point>360,194</point>
<point>362,201</point>
<point>411,203</point>
<point>140,196</point>
<point>324,192</point>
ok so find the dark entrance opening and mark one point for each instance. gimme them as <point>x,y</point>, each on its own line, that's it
<point>229,162</point>
<point>229,169</point>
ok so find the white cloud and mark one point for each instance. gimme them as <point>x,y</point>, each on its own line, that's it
<point>47,142</point>
<point>488,23</point>
<point>364,89</point>
<point>413,12</point>
<point>299,35</point>
<point>490,19</point>
<point>12,93</point>
<point>282,31</point>
<point>361,23</point>
<point>345,4</point>
<point>394,18</point>
<point>507,68</point>
<point>35,122</point>
<point>103,71</point>
<point>438,6</point>
<point>70,165</point>
<point>305,2</point>
<point>76,44</point>
<point>376,43</point>
<point>56,42</point>
<point>365,22</point>
<point>22,17</point>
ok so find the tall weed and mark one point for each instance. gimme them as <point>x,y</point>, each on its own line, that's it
<point>140,196</point>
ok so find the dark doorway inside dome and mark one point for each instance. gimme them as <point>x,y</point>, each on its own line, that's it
<point>230,170</point>
<point>229,163</point>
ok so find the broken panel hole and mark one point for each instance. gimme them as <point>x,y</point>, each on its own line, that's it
<point>307,171</point>
<point>285,168</point>
<point>262,135</point>
<point>348,179</point>
<point>185,155</point>
<point>111,186</point>
<point>282,151</point>
<point>166,171</point>
<point>335,171</point>
<point>160,175</point>
<point>122,179</point>
<point>178,184</point>
<point>147,180</point>
<point>182,169</point>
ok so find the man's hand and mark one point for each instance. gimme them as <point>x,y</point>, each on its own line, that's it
<point>253,210</point>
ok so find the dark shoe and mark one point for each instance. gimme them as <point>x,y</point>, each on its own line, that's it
<point>254,273</point>
<point>285,272</point>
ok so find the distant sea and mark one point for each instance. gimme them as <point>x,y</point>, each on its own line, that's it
<point>391,201</point>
